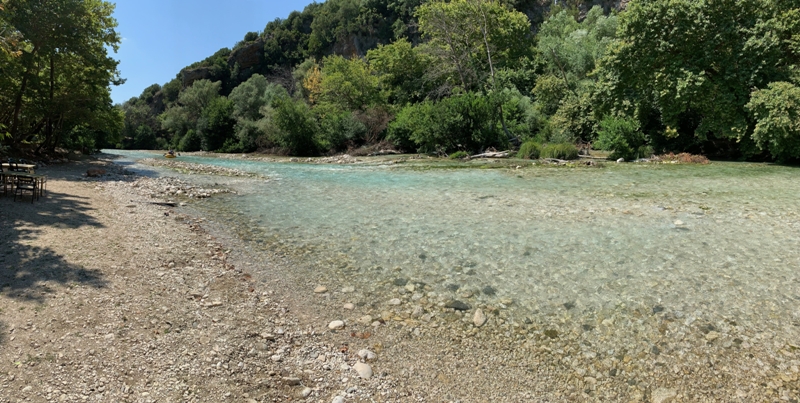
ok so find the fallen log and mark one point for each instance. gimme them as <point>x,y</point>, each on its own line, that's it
<point>384,152</point>
<point>491,154</point>
<point>166,204</point>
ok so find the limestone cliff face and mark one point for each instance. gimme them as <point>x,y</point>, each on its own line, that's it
<point>247,59</point>
<point>355,45</point>
<point>189,76</point>
<point>247,56</point>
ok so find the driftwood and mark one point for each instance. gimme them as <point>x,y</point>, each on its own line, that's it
<point>166,204</point>
<point>491,154</point>
<point>384,152</point>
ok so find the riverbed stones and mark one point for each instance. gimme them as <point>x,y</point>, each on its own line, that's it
<point>336,325</point>
<point>367,355</point>
<point>338,399</point>
<point>664,395</point>
<point>349,306</point>
<point>320,289</point>
<point>363,369</point>
<point>395,301</point>
<point>479,319</point>
<point>457,305</point>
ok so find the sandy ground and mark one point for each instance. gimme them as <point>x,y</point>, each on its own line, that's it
<point>107,298</point>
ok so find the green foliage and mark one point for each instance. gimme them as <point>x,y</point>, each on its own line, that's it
<point>776,110</point>
<point>571,49</point>
<point>401,69</point>
<point>463,33</point>
<point>338,130</point>
<point>458,155</point>
<point>562,151</point>
<point>529,150</point>
<point>216,124</point>
<point>465,122</point>
<point>144,138</point>
<point>248,98</point>
<point>56,72</point>
<point>190,141</point>
<point>296,127</point>
<point>696,61</point>
<point>622,136</point>
<point>349,84</point>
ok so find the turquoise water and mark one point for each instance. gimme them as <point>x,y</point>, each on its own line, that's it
<point>711,244</point>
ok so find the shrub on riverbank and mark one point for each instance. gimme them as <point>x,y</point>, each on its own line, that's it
<point>562,151</point>
<point>530,150</point>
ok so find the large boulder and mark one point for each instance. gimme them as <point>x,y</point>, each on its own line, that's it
<point>247,56</point>
<point>189,76</point>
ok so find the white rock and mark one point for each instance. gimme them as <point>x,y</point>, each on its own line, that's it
<point>336,324</point>
<point>365,320</point>
<point>30,388</point>
<point>276,358</point>
<point>349,306</point>
<point>348,289</point>
<point>712,335</point>
<point>410,287</point>
<point>678,223</point>
<point>337,399</point>
<point>306,392</point>
<point>479,319</point>
<point>363,369</point>
<point>395,301</point>
<point>664,395</point>
<point>367,355</point>
<point>320,289</point>
<point>621,160</point>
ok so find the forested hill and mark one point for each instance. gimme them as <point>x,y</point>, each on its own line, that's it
<point>634,77</point>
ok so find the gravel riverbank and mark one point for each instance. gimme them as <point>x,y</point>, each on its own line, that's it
<point>107,297</point>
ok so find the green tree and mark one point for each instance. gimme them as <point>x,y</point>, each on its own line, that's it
<point>215,126</point>
<point>349,84</point>
<point>470,39</point>
<point>64,72</point>
<point>296,126</point>
<point>401,69</point>
<point>186,112</point>
<point>694,63</point>
<point>776,110</point>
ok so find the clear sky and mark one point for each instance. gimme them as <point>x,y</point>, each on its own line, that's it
<point>160,37</point>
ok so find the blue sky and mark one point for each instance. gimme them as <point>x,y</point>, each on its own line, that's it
<point>160,37</point>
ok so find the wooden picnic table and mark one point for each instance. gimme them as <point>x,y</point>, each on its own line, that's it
<point>28,167</point>
<point>40,181</point>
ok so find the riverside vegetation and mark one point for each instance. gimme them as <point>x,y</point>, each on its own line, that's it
<point>638,77</point>
<point>634,78</point>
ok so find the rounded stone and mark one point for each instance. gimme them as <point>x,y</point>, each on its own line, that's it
<point>363,369</point>
<point>336,324</point>
<point>479,319</point>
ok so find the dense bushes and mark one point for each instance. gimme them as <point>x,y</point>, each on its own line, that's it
<point>623,137</point>
<point>296,127</point>
<point>529,150</point>
<point>466,122</point>
<point>562,151</point>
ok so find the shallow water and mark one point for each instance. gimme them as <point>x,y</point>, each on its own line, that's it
<point>567,247</point>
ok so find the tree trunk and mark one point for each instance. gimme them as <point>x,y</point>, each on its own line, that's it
<point>484,28</point>
<point>14,129</point>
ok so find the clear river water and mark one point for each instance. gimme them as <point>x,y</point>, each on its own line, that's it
<point>717,245</point>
